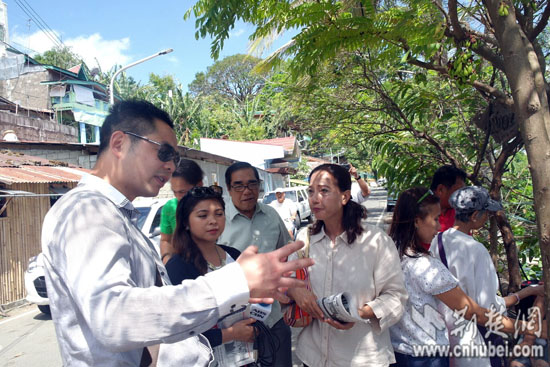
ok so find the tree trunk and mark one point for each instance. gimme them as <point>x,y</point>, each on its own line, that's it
<point>508,239</point>
<point>527,84</point>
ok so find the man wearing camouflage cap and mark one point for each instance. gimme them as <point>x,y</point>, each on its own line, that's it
<point>470,262</point>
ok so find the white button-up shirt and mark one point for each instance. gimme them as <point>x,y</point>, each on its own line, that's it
<point>370,270</point>
<point>100,275</point>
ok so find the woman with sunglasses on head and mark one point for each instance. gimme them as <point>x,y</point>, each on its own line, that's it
<point>431,286</point>
<point>350,256</point>
<point>200,220</point>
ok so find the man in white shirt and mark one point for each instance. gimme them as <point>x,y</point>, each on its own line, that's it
<point>360,189</point>
<point>469,261</point>
<point>104,276</point>
<point>286,210</point>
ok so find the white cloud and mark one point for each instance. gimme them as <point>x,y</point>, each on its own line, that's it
<point>107,52</point>
<point>173,59</point>
<point>237,33</point>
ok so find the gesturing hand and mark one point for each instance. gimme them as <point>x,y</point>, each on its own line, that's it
<point>269,273</point>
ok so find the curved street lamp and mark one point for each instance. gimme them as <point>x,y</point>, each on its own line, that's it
<point>111,84</point>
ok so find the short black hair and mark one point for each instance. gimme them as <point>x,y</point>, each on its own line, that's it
<point>447,175</point>
<point>134,115</point>
<point>237,166</point>
<point>190,171</point>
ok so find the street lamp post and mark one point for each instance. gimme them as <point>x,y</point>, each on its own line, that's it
<point>111,84</point>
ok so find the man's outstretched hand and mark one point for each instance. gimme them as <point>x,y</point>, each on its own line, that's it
<point>268,274</point>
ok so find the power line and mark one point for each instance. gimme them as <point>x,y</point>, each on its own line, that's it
<point>39,22</point>
<point>44,22</point>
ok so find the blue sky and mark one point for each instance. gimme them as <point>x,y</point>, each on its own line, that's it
<point>122,31</point>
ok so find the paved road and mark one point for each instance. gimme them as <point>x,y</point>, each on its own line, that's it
<point>27,337</point>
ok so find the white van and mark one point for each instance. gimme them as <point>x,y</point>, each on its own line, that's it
<point>298,195</point>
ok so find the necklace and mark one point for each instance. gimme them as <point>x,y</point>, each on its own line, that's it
<point>214,267</point>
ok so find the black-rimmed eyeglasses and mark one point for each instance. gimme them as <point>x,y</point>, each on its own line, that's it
<point>165,153</point>
<point>251,185</point>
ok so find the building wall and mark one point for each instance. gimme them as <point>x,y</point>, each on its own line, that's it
<point>20,234</point>
<point>80,158</point>
<point>26,90</point>
<point>34,129</point>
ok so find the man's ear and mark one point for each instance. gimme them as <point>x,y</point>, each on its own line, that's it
<point>117,142</point>
<point>440,190</point>
<point>474,216</point>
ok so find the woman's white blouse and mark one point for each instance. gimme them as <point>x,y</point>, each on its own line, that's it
<point>368,269</point>
<point>422,324</point>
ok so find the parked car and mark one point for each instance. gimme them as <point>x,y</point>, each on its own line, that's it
<point>390,203</point>
<point>298,195</point>
<point>35,284</point>
<point>148,223</point>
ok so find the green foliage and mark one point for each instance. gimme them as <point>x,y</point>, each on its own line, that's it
<point>229,79</point>
<point>62,57</point>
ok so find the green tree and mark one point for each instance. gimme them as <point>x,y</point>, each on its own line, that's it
<point>494,47</point>
<point>62,57</point>
<point>231,78</point>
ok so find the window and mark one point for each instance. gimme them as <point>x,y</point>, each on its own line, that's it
<point>156,221</point>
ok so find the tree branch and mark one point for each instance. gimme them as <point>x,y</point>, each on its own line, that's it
<point>498,94</point>
<point>543,22</point>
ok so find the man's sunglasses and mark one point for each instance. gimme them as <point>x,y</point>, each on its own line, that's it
<point>165,153</point>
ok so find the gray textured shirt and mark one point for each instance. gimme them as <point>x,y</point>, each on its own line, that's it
<point>100,273</point>
<point>266,230</point>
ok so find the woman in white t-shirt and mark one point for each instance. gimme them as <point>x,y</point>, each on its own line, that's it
<point>430,286</point>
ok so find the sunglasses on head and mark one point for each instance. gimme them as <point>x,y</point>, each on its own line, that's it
<point>165,153</point>
<point>429,192</point>
<point>201,192</point>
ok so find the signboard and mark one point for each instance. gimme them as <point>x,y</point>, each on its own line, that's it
<point>498,119</point>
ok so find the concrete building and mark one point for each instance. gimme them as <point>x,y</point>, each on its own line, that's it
<point>72,96</point>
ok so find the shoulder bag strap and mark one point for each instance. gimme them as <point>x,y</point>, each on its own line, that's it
<point>304,251</point>
<point>442,255</point>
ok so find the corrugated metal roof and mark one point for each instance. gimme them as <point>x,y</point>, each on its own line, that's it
<point>287,143</point>
<point>9,158</point>
<point>19,168</point>
<point>40,174</point>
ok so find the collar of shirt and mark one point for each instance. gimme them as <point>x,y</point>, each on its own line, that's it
<point>231,211</point>
<point>94,183</point>
<point>318,237</point>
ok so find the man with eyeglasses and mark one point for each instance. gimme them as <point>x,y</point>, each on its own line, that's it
<point>249,221</point>
<point>111,300</point>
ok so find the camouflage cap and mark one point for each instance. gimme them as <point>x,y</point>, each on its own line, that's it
<point>472,198</point>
